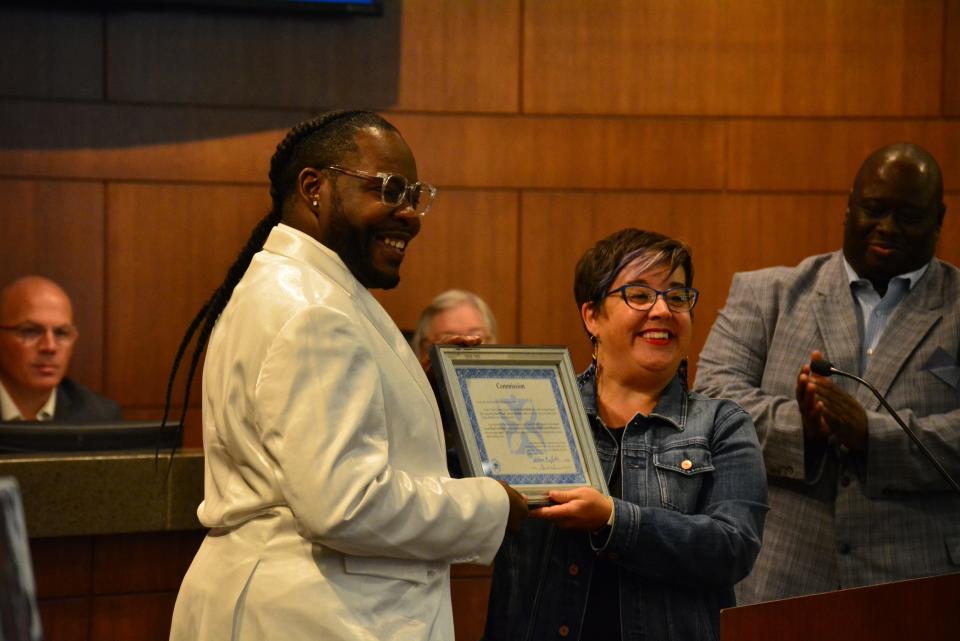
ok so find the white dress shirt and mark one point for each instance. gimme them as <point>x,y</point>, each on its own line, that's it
<point>10,412</point>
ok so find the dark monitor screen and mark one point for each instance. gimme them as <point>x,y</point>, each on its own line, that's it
<point>343,7</point>
<point>87,437</point>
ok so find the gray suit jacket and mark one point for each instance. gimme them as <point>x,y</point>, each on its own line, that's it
<point>841,520</point>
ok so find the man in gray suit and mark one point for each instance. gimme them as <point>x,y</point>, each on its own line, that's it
<point>852,502</point>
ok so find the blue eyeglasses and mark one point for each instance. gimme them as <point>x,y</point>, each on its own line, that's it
<point>642,298</point>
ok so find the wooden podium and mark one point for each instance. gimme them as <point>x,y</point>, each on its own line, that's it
<point>921,609</point>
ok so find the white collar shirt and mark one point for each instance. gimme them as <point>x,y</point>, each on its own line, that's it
<point>10,412</point>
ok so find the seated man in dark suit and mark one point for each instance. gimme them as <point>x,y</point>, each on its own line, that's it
<point>37,336</point>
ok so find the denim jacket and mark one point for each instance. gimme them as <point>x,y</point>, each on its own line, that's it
<point>688,527</point>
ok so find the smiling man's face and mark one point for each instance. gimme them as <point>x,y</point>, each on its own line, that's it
<point>893,219</point>
<point>371,238</point>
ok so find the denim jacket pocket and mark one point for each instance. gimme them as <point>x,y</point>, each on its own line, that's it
<point>680,472</point>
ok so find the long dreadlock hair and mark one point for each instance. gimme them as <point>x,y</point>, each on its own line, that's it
<point>318,142</point>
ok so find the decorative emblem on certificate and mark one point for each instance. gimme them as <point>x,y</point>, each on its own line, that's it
<point>517,413</point>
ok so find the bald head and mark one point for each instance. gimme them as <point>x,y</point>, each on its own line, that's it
<point>894,213</point>
<point>36,337</point>
<point>28,291</point>
<point>906,164</point>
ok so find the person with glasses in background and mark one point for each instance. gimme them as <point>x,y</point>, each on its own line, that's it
<point>658,557</point>
<point>330,509</point>
<point>37,337</point>
<point>454,315</point>
<point>852,500</point>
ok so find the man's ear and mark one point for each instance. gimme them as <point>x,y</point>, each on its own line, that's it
<point>311,184</point>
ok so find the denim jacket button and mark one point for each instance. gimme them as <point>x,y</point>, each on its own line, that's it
<point>686,465</point>
<point>563,631</point>
<point>574,569</point>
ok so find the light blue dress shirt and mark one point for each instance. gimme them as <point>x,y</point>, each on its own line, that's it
<point>873,311</point>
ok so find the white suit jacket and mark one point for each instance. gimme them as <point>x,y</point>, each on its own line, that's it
<point>326,489</point>
<point>845,520</point>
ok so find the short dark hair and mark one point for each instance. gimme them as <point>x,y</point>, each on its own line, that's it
<point>601,264</point>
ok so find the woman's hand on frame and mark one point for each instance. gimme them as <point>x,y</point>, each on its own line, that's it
<point>581,509</point>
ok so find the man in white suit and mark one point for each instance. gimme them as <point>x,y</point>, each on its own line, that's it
<point>326,491</point>
<point>852,502</point>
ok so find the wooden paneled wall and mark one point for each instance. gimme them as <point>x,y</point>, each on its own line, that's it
<point>110,587</point>
<point>134,145</point>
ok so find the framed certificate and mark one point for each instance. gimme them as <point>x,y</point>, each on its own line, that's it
<point>518,417</point>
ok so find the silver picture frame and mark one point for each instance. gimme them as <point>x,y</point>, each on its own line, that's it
<point>517,416</point>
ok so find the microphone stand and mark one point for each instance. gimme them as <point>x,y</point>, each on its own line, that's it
<point>824,368</point>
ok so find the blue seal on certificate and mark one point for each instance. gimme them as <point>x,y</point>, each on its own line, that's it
<point>523,431</point>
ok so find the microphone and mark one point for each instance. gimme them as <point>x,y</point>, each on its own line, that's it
<point>823,367</point>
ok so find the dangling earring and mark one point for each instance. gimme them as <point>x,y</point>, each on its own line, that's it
<point>596,348</point>
<point>315,203</point>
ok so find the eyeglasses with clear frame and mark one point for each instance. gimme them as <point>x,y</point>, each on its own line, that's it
<point>394,188</point>
<point>30,333</point>
<point>642,297</point>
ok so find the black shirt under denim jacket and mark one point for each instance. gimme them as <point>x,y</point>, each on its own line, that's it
<point>688,527</point>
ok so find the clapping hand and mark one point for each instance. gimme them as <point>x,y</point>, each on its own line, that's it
<point>834,410</point>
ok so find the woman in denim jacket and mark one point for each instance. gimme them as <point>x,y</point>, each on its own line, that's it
<point>659,559</point>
